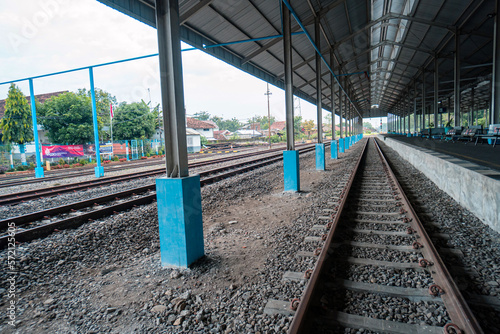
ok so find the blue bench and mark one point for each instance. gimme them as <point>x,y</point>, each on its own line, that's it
<point>493,134</point>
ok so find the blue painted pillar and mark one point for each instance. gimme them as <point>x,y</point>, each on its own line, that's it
<point>23,155</point>
<point>39,168</point>
<point>291,170</point>
<point>11,160</point>
<point>341,145</point>
<point>178,194</point>
<point>99,170</point>
<point>320,156</point>
<point>333,149</point>
<point>126,149</point>
<point>180,220</point>
<point>142,148</point>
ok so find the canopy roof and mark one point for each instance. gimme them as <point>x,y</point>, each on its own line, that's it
<point>386,43</point>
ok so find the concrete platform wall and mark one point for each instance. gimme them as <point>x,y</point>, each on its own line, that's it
<point>476,192</point>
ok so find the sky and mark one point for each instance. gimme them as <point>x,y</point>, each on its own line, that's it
<point>45,36</point>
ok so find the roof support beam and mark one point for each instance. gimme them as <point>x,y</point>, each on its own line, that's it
<point>195,9</point>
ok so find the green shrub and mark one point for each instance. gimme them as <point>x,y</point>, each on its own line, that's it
<point>61,161</point>
<point>83,161</point>
<point>31,166</point>
<point>20,168</point>
<point>115,158</point>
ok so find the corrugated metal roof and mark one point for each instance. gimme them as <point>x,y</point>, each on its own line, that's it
<point>392,40</point>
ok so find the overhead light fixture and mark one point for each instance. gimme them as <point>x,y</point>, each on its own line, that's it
<point>374,106</point>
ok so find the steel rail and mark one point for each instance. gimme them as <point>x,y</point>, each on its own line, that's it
<point>460,314</point>
<point>455,303</point>
<point>7,181</point>
<point>305,302</point>
<point>73,222</point>
<point>13,198</point>
<point>27,218</point>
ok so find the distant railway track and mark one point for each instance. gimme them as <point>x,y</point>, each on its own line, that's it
<point>77,213</point>
<point>14,198</point>
<point>372,235</point>
<point>22,179</point>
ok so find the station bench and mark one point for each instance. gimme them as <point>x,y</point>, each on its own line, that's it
<point>453,133</point>
<point>493,134</point>
<point>471,133</point>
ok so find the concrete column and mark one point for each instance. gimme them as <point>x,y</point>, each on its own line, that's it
<point>449,107</point>
<point>472,107</point>
<point>320,146</point>
<point>415,116</point>
<point>423,100</point>
<point>291,166</point>
<point>319,107</point>
<point>178,194</point>
<point>436,91</point>
<point>333,144</point>
<point>409,107</point>
<point>456,79</point>
<point>495,87</point>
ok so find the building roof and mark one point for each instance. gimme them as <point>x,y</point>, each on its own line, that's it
<point>383,49</point>
<point>191,132</point>
<point>248,132</point>
<point>197,124</point>
<point>40,98</point>
<point>278,125</point>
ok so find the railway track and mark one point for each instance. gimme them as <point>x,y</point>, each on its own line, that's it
<point>14,198</point>
<point>14,180</point>
<point>43,223</point>
<point>375,266</point>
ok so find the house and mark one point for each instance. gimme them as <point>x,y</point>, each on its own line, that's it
<point>193,141</point>
<point>276,127</point>
<point>204,128</point>
<point>252,126</point>
<point>222,134</point>
<point>247,134</point>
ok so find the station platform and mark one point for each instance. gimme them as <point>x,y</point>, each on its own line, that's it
<point>469,174</point>
<point>460,153</point>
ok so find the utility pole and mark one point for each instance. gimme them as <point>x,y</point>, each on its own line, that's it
<point>268,114</point>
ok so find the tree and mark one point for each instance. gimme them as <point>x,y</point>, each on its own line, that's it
<point>219,121</point>
<point>369,126</point>
<point>68,118</point>
<point>263,121</point>
<point>328,118</point>
<point>308,127</point>
<point>231,124</point>
<point>16,124</point>
<point>133,120</point>
<point>102,100</point>
<point>202,116</point>
<point>297,124</point>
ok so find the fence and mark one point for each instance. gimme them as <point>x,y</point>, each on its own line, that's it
<point>11,157</point>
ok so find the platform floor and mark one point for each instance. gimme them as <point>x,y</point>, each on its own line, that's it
<point>483,155</point>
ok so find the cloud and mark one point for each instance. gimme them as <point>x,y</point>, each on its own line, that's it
<point>57,35</point>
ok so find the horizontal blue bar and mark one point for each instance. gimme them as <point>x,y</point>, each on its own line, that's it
<point>148,56</point>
